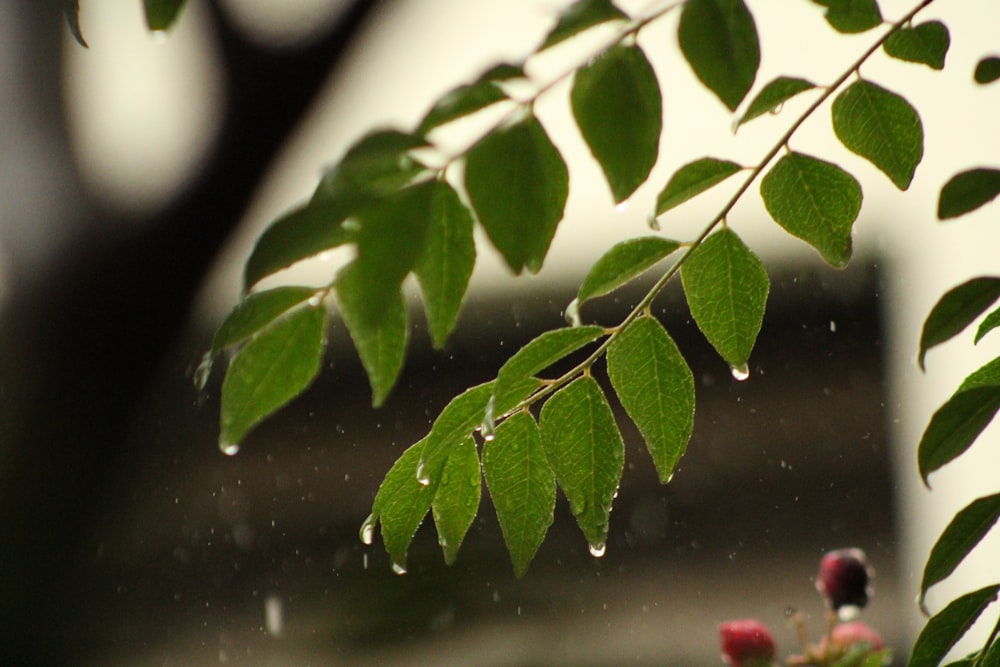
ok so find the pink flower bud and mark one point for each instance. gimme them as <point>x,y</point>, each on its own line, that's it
<point>846,635</point>
<point>746,643</point>
<point>843,578</point>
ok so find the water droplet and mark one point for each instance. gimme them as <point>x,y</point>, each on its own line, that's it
<point>422,477</point>
<point>597,550</point>
<point>325,256</point>
<point>315,300</point>
<point>622,206</point>
<point>488,428</point>
<point>398,569</point>
<point>653,222</point>
<point>670,478</point>
<point>573,313</point>
<point>367,532</point>
<point>203,370</point>
<point>848,612</point>
<point>833,327</point>
<point>776,109</point>
<point>740,373</point>
<point>229,448</point>
<point>159,36</point>
<point>274,615</point>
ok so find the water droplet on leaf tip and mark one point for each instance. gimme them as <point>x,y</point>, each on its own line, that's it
<point>597,550</point>
<point>653,222</point>
<point>740,373</point>
<point>622,206</point>
<point>203,370</point>
<point>573,313</point>
<point>229,448</point>
<point>368,530</point>
<point>398,569</point>
<point>422,477</point>
<point>315,300</point>
<point>776,109</point>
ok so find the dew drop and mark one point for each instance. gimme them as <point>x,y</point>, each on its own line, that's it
<point>159,36</point>
<point>315,300</point>
<point>229,448</point>
<point>488,428</point>
<point>573,313</point>
<point>833,327</point>
<point>422,477</point>
<point>398,569</point>
<point>597,550</point>
<point>776,109</point>
<point>653,222</point>
<point>740,373</point>
<point>367,532</point>
<point>203,370</point>
<point>622,206</point>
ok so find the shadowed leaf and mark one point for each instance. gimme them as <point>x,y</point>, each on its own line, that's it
<point>926,44</point>
<point>623,262</point>
<point>775,94</point>
<point>987,70</point>
<point>719,40</point>
<point>470,98</point>
<point>579,16</point>
<point>948,626</point>
<point>967,191</point>
<point>692,179</point>
<point>456,501</point>
<point>965,531</point>
<point>255,312</point>
<point>851,16</point>
<point>956,310</point>
<point>161,14</point>
<point>955,426</point>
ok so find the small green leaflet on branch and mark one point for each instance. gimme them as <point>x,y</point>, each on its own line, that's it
<point>692,179</point>
<point>726,288</point>
<point>586,453</point>
<point>987,70</point>
<point>816,201</point>
<point>522,486</point>
<point>967,191</point>
<point>774,95</point>
<point>852,16</point>
<point>470,98</point>
<point>955,426</point>
<point>456,501</point>
<point>956,310</point>
<point>616,104</point>
<point>580,16</point>
<point>989,323</point>
<point>719,40</point>
<point>161,14</point>
<point>926,44</point>
<point>257,311</point>
<point>656,388</point>
<point>274,366</point>
<point>623,262</point>
<point>881,127</point>
<point>518,184</point>
<point>965,531</point>
<point>944,630</point>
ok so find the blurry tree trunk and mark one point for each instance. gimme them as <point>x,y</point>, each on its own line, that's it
<point>81,339</point>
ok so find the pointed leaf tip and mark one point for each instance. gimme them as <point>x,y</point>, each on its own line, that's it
<point>719,40</point>
<point>956,310</point>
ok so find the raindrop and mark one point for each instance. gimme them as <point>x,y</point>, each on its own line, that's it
<point>653,222</point>
<point>315,300</point>
<point>422,475</point>
<point>833,327</point>
<point>159,36</point>
<point>274,615</point>
<point>776,109</point>
<point>622,206</point>
<point>367,531</point>
<point>398,569</point>
<point>597,550</point>
<point>203,370</point>
<point>740,373</point>
<point>670,478</point>
<point>488,427</point>
<point>573,313</point>
<point>229,448</point>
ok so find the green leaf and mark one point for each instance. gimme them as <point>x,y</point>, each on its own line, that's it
<point>851,16</point>
<point>965,531</point>
<point>719,40</point>
<point>274,367</point>
<point>586,453</point>
<point>926,44</point>
<point>773,95</point>
<point>623,262</point>
<point>956,310</point>
<point>955,426</point>
<point>378,163</point>
<point>692,179</point>
<point>539,354</point>
<point>456,501</point>
<point>401,504</point>
<point>579,16</point>
<point>967,191</point>
<point>987,70</point>
<point>881,127</point>
<point>71,8</point>
<point>989,323</point>
<point>616,104</point>
<point>947,627</point>
<point>815,201</point>
<point>255,312</point>
<point>446,263</point>
<point>381,343</point>
<point>656,389</point>
<point>518,184</point>
<point>470,98</point>
<point>299,234</point>
<point>726,288</point>
<point>161,14</point>
<point>522,486</point>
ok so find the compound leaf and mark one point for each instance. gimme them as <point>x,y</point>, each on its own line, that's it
<point>955,426</point>
<point>518,184</point>
<point>522,486</point>
<point>616,104</point>
<point>881,127</point>
<point>773,95</point>
<point>956,310</point>
<point>447,260</point>
<point>580,16</point>
<point>586,453</point>
<point>726,288</point>
<point>946,627</point>
<point>926,44</point>
<point>161,14</point>
<point>852,16</point>
<point>255,312</point>
<point>965,531</point>
<point>967,191</point>
<point>816,201</point>
<point>275,366</point>
<point>456,501</point>
<point>470,98</point>
<point>692,179</point>
<point>656,389</point>
<point>623,262</point>
<point>719,40</point>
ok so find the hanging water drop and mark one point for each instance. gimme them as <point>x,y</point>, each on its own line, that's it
<point>597,549</point>
<point>203,370</point>
<point>398,569</point>
<point>422,477</point>
<point>229,448</point>
<point>740,373</point>
<point>653,222</point>
<point>776,109</point>
<point>622,206</point>
<point>573,313</point>
<point>367,532</point>
<point>315,300</point>
<point>488,428</point>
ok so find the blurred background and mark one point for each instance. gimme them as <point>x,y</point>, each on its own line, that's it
<point>137,174</point>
